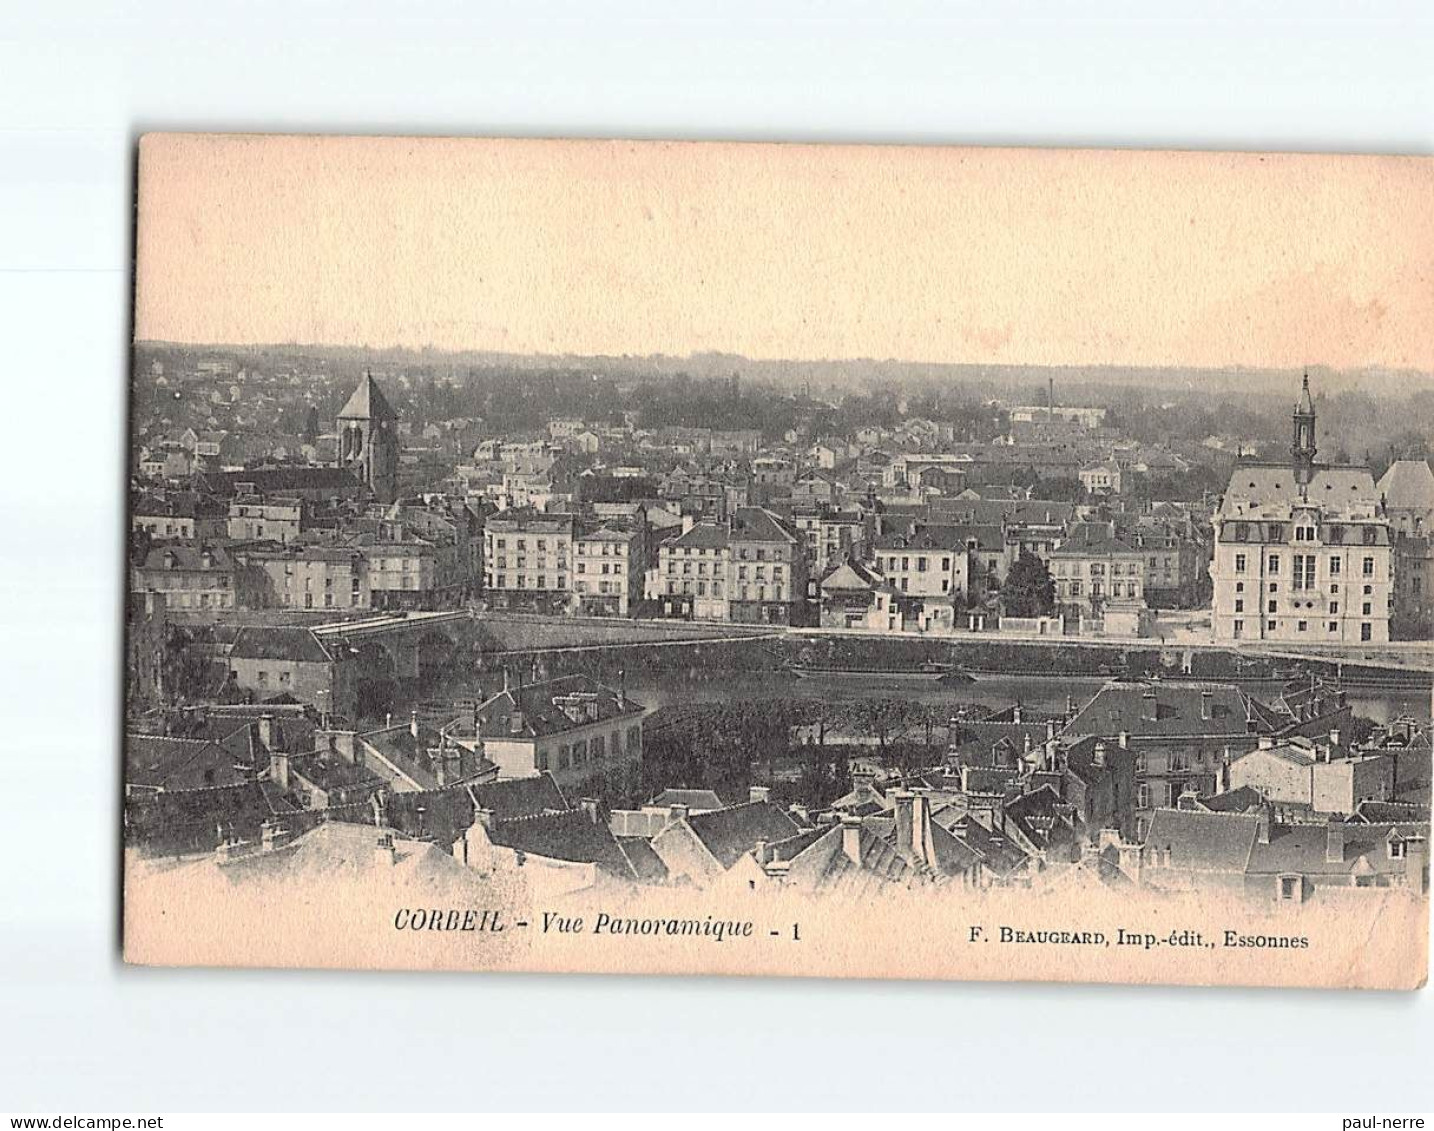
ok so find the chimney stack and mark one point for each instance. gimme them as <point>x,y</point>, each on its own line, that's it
<point>266,731</point>
<point>1334,843</point>
<point>593,808</point>
<point>851,838</point>
<point>1016,712</point>
<point>1149,705</point>
<point>759,793</point>
<point>1207,699</point>
<point>760,853</point>
<point>1098,758</point>
<point>1264,742</point>
<point>384,853</point>
<point>1334,737</point>
<point>1123,739</point>
<point>413,723</point>
<point>279,768</point>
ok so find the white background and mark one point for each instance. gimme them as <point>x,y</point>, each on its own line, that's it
<point>79,80</point>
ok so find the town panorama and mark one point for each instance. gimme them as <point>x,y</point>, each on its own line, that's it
<point>650,622</point>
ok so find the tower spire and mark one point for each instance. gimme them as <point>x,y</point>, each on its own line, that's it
<point>1302,449</point>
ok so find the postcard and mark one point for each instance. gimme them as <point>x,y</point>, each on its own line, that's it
<point>796,560</point>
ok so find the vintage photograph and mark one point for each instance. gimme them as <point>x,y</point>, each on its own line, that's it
<point>756,559</point>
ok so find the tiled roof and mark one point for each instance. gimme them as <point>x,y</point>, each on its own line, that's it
<point>520,797</point>
<point>542,714</point>
<point>756,524</point>
<point>646,864</point>
<point>730,833</point>
<point>1305,849</point>
<point>1408,484</point>
<point>1203,842</point>
<point>1123,706</point>
<point>1259,488</point>
<point>571,835</point>
<point>265,642</point>
<point>694,799</point>
<point>1242,800</point>
<point>703,536</point>
<point>157,762</point>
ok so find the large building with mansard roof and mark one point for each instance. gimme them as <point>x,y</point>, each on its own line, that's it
<point>1302,550</point>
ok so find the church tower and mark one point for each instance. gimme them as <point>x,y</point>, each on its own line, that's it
<point>1303,447</point>
<point>368,439</point>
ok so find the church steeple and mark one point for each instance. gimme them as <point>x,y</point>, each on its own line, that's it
<point>368,439</point>
<point>1303,447</point>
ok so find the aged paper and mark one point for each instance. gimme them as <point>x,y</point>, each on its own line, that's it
<point>793,560</point>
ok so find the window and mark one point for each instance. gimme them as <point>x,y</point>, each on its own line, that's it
<point>1368,567</point>
<point>1239,628</point>
<point>1301,626</point>
<point>1289,887</point>
<point>1365,633</point>
<point>1334,606</point>
<point>1273,606</point>
<point>1239,563</point>
<point>263,679</point>
<point>1274,563</point>
<point>1368,605</point>
<point>1269,626</point>
<point>1334,626</point>
<point>1239,604</point>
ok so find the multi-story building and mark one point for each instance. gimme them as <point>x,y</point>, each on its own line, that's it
<point>528,558</point>
<point>1302,550</point>
<point>571,727</point>
<point>1173,564</point>
<point>609,563</point>
<point>255,517</point>
<point>312,577</point>
<point>1407,491</point>
<point>831,535</point>
<point>402,575</point>
<point>178,516</point>
<point>768,579</point>
<point>192,578</point>
<point>1096,570</point>
<point>692,572</point>
<point>931,563</point>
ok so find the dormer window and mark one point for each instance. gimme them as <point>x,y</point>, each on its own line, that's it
<point>1397,847</point>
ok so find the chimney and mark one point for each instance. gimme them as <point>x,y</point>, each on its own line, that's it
<point>1070,706</point>
<point>384,854</point>
<point>1263,820</point>
<point>1264,742</point>
<point>1098,758</point>
<point>676,813</point>
<point>266,731</point>
<point>760,853</point>
<point>1334,843</point>
<point>1016,712</point>
<point>798,812</point>
<point>851,838</point>
<point>905,818</point>
<point>272,835</point>
<point>1334,737</point>
<point>1207,699</point>
<point>279,768</point>
<point>622,689</point>
<point>483,817</point>
<point>1050,729</point>
<point>592,808</point>
<point>687,523</point>
<point>921,845</point>
<point>759,793</point>
<point>1149,706</point>
<point>1123,739</point>
<point>413,723</point>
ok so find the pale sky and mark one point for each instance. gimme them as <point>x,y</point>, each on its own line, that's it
<point>789,251</point>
